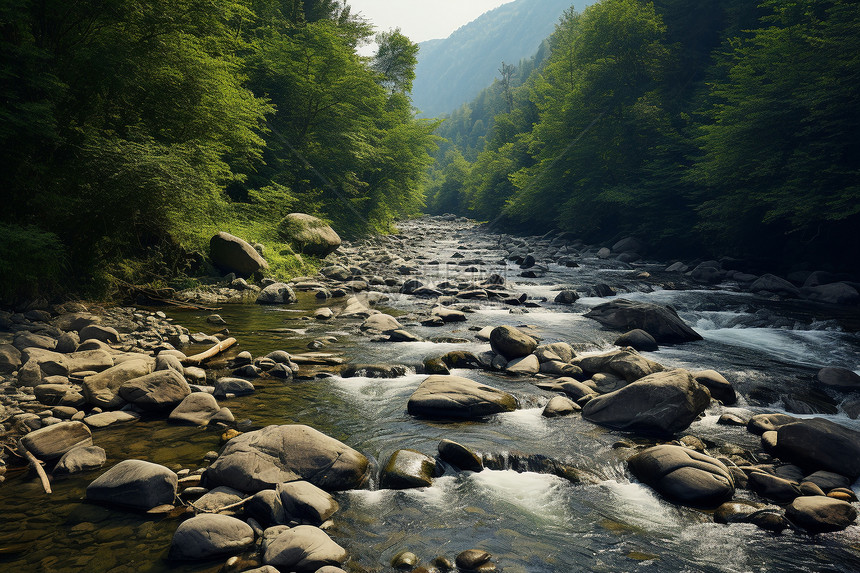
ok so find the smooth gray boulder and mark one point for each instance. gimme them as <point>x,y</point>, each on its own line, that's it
<point>381,322</point>
<point>835,293</point>
<point>59,395</point>
<point>208,535</point>
<point>309,234</point>
<point>820,444</point>
<point>27,339</point>
<point>233,255</point>
<point>105,334</point>
<point>407,469</point>
<point>80,459</point>
<point>818,514</point>
<point>637,339</point>
<point>10,358</point>
<point>559,406</point>
<point>218,498</point>
<point>625,363</point>
<point>277,293</point>
<point>460,456</point>
<point>199,409</point>
<point>838,378</point>
<point>303,549</point>
<point>720,388</point>
<point>683,475</point>
<point>774,284</point>
<point>51,442</point>
<point>158,391</point>
<point>261,459</point>
<point>663,403</point>
<point>102,389</point>
<point>442,396</point>
<point>306,504</point>
<point>234,386</point>
<point>661,322</point>
<point>511,342</point>
<point>134,483</point>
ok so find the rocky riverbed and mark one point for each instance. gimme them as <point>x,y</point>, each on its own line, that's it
<point>447,398</point>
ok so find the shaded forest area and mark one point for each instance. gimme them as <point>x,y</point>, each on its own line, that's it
<point>131,131</point>
<point>703,127</point>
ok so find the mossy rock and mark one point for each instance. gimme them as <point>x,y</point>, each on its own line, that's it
<point>308,234</point>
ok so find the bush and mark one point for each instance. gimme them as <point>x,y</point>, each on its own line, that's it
<point>32,261</point>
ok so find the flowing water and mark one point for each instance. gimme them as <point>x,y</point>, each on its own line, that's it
<point>530,522</point>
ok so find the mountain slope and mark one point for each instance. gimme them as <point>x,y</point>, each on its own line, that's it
<point>452,71</point>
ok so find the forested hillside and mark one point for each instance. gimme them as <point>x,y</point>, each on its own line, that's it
<point>453,70</point>
<point>131,131</point>
<point>700,126</point>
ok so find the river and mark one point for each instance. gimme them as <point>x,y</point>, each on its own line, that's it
<point>769,349</point>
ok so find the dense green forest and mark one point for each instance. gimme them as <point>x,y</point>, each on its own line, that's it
<point>700,126</point>
<point>133,130</point>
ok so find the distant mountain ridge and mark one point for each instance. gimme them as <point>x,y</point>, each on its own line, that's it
<point>452,71</point>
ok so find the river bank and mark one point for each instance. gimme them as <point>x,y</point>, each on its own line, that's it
<point>428,299</point>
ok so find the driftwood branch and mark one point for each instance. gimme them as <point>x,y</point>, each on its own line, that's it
<point>214,351</point>
<point>36,465</point>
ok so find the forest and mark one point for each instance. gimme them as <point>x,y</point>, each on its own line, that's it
<point>702,127</point>
<point>134,130</point>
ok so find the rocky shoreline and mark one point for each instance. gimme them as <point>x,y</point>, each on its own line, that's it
<point>266,501</point>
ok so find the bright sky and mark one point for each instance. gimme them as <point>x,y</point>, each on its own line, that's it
<point>421,20</point>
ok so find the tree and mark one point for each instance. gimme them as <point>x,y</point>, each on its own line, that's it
<point>395,61</point>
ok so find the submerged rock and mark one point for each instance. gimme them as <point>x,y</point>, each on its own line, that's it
<point>661,322</point>
<point>261,459</point>
<point>80,459</point>
<point>456,397</point>
<point>662,403</point>
<point>134,483</point>
<point>683,475</point>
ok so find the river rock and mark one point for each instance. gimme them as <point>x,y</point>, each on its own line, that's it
<point>820,444</point>
<point>460,456</point>
<point>208,535</point>
<point>234,386</point>
<point>265,506</point>
<point>102,389</point>
<point>683,475</point>
<point>105,419</point>
<point>277,293</point>
<point>309,234</point>
<point>828,480</point>
<point>10,358</point>
<point>80,459</point>
<point>556,351</point>
<point>218,498</point>
<point>381,322</point>
<point>774,284</point>
<point>161,390</point>
<point>626,364</point>
<point>567,297</point>
<point>98,332</point>
<point>303,549</point>
<point>818,514</point>
<point>473,560</point>
<point>199,408</point>
<point>720,388</point>
<point>24,340</point>
<point>761,423</point>
<point>58,395</point>
<point>134,483</point>
<point>773,487</point>
<point>661,322</point>
<point>838,378</point>
<point>527,365</point>
<point>305,503</point>
<point>169,362</point>
<point>233,255</point>
<point>51,442</point>
<point>662,403</point>
<point>560,406</point>
<point>637,339</point>
<point>511,342</point>
<point>407,469</point>
<point>458,397</point>
<point>835,293</point>
<point>261,459</point>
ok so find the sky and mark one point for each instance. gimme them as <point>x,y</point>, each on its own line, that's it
<point>421,20</point>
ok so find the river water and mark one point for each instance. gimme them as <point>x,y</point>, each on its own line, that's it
<point>530,522</point>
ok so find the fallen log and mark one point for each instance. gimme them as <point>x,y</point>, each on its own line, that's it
<point>214,351</point>
<point>36,465</point>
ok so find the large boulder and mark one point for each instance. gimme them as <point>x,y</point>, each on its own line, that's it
<point>683,475</point>
<point>407,469</point>
<point>774,284</point>
<point>309,234</point>
<point>457,397</point>
<point>720,388</point>
<point>838,378</point>
<point>136,484</point>
<point>277,293</point>
<point>10,358</point>
<point>199,409</point>
<point>207,535</point>
<point>161,390</point>
<point>305,503</point>
<point>51,442</point>
<point>622,363</point>
<point>819,514</point>
<point>662,403</point>
<point>511,342</point>
<point>820,444</point>
<point>261,459</point>
<point>661,322</point>
<point>101,389</point>
<point>835,293</point>
<point>233,255</point>
<point>304,548</point>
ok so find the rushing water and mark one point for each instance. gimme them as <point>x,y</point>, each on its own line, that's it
<point>529,522</point>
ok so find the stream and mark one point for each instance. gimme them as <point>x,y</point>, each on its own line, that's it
<point>770,349</point>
